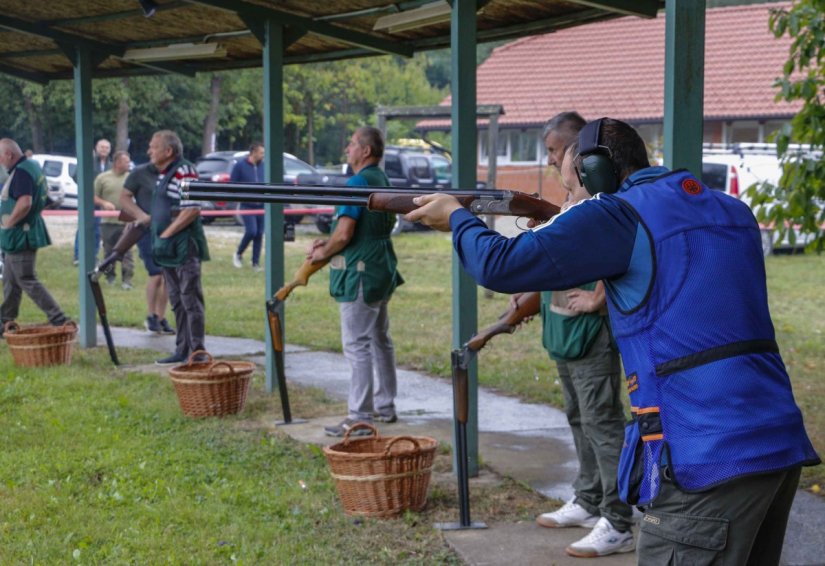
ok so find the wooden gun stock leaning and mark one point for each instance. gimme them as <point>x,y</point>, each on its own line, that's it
<point>529,305</point>
<point>273,316</point>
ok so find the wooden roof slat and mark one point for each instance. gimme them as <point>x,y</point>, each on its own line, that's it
<point>641,8</point>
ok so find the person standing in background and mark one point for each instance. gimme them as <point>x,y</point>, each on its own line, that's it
<point>101,163</point>
<point>250,170</point>
<point>136,201</point>
<point>108,188</point>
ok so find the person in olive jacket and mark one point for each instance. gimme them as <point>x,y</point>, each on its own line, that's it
<point>22,233</point>
<point>362,278</point>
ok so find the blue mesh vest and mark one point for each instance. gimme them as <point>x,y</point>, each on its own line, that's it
<point>710,396</point>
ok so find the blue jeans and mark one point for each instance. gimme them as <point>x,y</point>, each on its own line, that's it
<point>253,232</point>
<point>97,240</point>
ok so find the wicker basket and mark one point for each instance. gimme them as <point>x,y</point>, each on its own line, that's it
<point>211,389</point>
<point>38,346</point>
<point>379,476</point>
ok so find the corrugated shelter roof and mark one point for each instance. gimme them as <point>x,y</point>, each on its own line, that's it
<point>616,69</point>
<point>35,35</point>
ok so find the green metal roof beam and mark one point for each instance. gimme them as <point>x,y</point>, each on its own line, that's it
<point>356,38</point>
<point>641,8</point>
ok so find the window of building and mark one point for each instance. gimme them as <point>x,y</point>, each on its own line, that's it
<point>524,146</point>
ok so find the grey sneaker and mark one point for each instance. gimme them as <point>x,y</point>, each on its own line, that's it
<point>236,260</point>
<point>127,286</point>
<point>393,418</point>
<point>341,428</point>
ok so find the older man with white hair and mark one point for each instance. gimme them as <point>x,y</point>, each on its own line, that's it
<point>22,233</point>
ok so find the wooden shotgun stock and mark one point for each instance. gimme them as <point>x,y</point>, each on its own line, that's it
<point>529,305</point>
<point>301,278</point>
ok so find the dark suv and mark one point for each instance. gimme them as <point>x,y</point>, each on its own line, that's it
<point>216,167</point>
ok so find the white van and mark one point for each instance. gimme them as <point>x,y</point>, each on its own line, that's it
<point>60,172</point>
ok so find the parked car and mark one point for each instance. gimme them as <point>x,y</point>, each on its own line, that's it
<point>217,167</point>
<point>60,172</point>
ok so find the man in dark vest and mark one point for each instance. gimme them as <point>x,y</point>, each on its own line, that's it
<point>22,233</point>
<point>362,278</point>
<point>178,244</point>
<point>714,450</point>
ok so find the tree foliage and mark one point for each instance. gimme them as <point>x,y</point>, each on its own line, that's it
<point>323,103</point>
<point>799,200</point>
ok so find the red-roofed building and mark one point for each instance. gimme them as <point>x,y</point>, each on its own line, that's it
<point>616,68</point>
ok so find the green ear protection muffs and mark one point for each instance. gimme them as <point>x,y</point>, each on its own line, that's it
<point>597,172</point>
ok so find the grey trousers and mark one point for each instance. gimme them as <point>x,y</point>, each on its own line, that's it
<point>740,522</point>
<point>19,275</point>
<point>365,337</point>
<point>110,234</point>
<point>186,298</point>
<point>593,404</point>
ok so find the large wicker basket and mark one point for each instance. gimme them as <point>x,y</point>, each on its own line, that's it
<point>38,346</point>
<point>381,476</point>
<point>211,389</point>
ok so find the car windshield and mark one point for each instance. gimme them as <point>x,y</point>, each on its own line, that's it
<point>294,167</point>
<point>210,166</point>
<point>73,170</point>
<point>52,168</point>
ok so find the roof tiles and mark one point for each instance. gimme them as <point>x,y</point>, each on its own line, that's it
<point>616,68</point>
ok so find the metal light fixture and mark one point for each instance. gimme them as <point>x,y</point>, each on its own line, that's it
<point>149,7</point>
<point>176,52</point>
<point>426,15</point>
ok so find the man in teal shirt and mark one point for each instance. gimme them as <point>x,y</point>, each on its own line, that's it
<point>22,233</point>
<point>363,276</point>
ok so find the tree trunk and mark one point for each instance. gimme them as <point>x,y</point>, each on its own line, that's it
<point>122,124</point>
<point>310,129</point>
<point>210,125</point>
<point>35,124</point>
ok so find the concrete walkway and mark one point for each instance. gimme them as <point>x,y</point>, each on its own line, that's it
<point>528,442</point>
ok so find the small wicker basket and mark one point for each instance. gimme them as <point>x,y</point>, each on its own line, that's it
<point>381,476</point>
<point>42,345</point>
<point>209,388</point>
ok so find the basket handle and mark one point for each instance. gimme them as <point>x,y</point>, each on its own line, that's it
<point>191,359</point>
<point>396,439</point>
<point>356,426</point>
<point>70,324</point>
<point>218,364</point>
<point>11,326</point>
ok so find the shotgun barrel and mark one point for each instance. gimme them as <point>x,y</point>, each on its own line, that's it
<point>385,199</point>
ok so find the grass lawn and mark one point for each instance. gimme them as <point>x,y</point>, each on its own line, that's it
<point>100,467</point>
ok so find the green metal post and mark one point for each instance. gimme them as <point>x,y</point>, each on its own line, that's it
<point>82,62</point>
<point>684,84</point>
<point>273,60</point>
<point>464,134</point>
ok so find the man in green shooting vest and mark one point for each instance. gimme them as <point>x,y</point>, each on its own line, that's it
<point>22,233</point>
<point>363,276</point>
<point>576,336</point>
<point>178,244</point>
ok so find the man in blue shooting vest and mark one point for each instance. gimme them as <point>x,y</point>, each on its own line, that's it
<point>362,278</point>
<point>22,233</point>
<point>714,451</point>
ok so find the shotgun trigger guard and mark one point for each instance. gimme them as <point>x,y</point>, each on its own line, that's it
<point>487,205</point>
<point>273,304</point>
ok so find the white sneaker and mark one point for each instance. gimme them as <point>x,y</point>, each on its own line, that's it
<point>601,541</point>
<point>569,515</point>
<point>236,260</point>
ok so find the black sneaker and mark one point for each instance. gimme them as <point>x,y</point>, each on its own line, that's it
<point>341,428</point>
<point>172,360</point>
<point>165,328</point>
<point>152,325</point>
